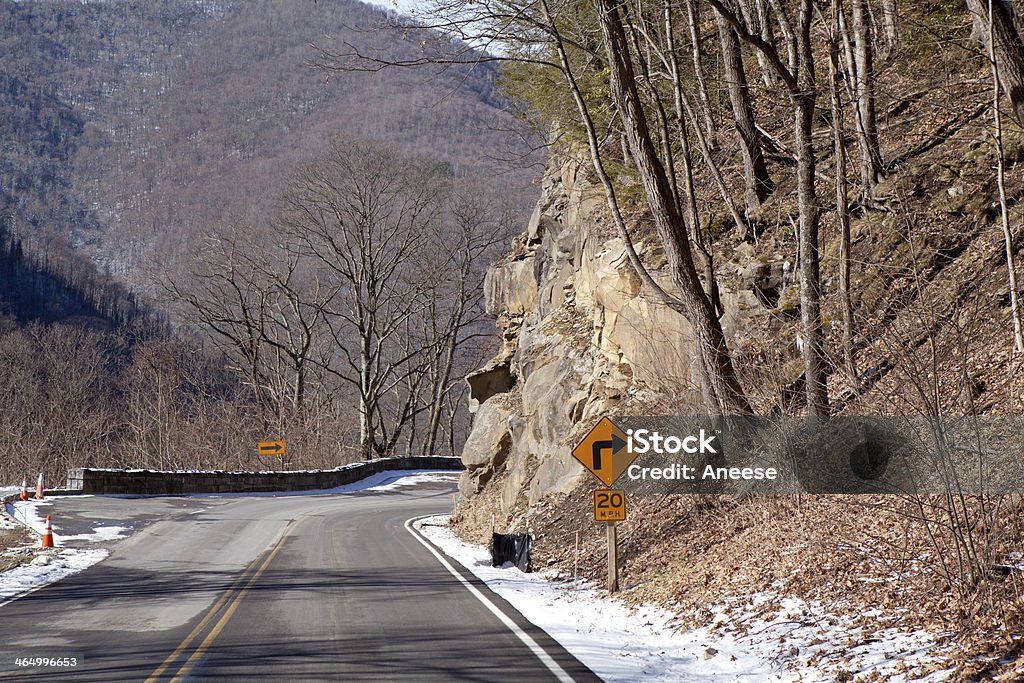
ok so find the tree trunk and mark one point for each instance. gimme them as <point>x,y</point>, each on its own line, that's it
<point>799,80</point>
<point>693,19</point>
<point>807,200</point>
<point>725,387</point>
<point>755,173</point>
<point>691,216</point>
<point>1005,44</point>
<point>842,208</point>
<point>1011,266</point>
<point>889,27</point>
<point>367,399</point>
<point>365,429</point>
<point>755,16</point>
<point>867,125</point>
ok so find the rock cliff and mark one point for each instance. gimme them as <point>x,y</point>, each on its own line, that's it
<point>581,339</point>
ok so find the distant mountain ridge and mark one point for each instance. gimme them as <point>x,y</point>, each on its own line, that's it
<point>132,127</point>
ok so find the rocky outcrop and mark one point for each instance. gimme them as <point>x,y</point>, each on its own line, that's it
<point>511,288</point>
<point>487,447</point>
<point>494,378</point>
<point>583,338</point>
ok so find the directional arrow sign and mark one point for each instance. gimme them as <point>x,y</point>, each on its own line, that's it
<point>271,448</point>
<point>604,452</point>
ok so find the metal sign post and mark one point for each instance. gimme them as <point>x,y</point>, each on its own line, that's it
<point>610,508</point>
<point>613,557</point>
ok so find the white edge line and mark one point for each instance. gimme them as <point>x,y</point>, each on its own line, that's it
<point>541,654</point>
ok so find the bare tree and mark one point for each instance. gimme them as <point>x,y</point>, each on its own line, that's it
<point>263,310</point>
<point>454,317</point>
<point>707,119</point>
<point>842,205</point>
<point>864,87</point>
<point>993,24</point>
<point>755,15</point>
<point>725,389</point>
<point>1011,266</point>
<point>755,172</point>
<point>531,33</point>
<point>890,29</point>
<point>363,215</point>
<point>799,80</point>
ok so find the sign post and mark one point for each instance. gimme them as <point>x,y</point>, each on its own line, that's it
<point>609,508</point>
<point>613,557</point>
<point>606,454</point>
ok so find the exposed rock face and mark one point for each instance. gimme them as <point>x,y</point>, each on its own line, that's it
<point>582,340</point>
<point>511,288</point>
<point>495,378</point>
<point>487,447</point>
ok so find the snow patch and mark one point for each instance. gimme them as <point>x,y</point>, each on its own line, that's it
<point>758,638</point>
<point>99,534</point>
<point>16,582</point>
<point>32,513</point>
<point>412,478</point>
<point>28,513</point>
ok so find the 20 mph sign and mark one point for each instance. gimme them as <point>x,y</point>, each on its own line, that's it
<point>609,505</point>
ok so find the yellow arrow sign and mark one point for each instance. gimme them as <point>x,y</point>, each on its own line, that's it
<point>271,448</point>
<point>604,452</point>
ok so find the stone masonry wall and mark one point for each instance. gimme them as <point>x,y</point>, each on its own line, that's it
<point>149,482</point>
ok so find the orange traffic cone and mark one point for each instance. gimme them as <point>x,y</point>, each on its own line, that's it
<point>47,535</point>
<point>24,489</point>
<point>39,487</point>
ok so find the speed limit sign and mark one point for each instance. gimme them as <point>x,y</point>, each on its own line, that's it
<point>609,505</point>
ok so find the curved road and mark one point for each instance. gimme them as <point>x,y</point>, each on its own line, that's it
<point>288,588</point>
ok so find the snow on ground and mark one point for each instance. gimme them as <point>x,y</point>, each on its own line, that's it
<point>790,641</point>
<point>5,522</point>
<point>49,565</point>
<point>45,569</point>
<point>99,534</point>
<point>32,513</point>
<point>392,480</point>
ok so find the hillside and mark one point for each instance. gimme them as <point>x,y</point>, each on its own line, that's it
<point>932,335</point>
<point>137,135</point>
<point>134,127</point>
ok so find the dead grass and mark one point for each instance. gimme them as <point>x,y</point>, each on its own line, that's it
<point>15,546</point>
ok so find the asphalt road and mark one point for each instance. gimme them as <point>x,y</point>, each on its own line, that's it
<point>293,588</point>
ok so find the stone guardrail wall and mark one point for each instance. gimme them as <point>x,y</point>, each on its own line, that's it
<point>151,482</point>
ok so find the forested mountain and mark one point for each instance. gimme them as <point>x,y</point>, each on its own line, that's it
<point>131,127</point>
<point>150,147</point>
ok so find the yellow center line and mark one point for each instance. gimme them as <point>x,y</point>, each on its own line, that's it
<point>222,622</point>
<point>154,677</point>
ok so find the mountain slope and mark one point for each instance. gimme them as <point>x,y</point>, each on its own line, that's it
<point>136,125</point>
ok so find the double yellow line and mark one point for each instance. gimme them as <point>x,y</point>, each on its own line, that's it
<point>232,598</point>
